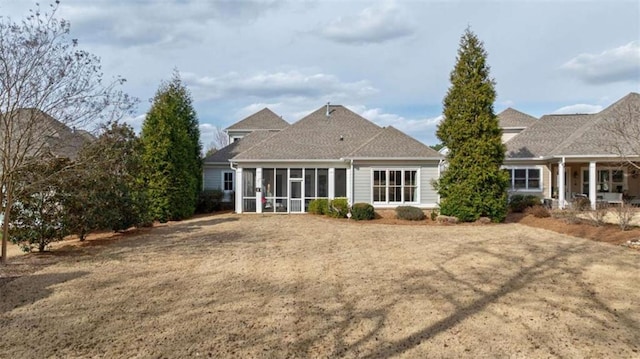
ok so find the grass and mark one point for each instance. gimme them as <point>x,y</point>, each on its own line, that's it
<point>308,286</point>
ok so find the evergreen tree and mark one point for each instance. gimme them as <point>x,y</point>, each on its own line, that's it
<point>105,191</point>
<point>473,184</point>
<point>172,153</point>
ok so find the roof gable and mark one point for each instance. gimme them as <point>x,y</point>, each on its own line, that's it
<point>510,118</point>
<point>316,136</point>
<point>392,143</point>
<point>541,138</point>
<point>596,139</point>
<point>226,153</point>
<point>574,135</point>
<point>264,119</point>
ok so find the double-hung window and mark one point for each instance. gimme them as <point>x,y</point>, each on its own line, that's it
<point>227,181</point>
<point>524,179</point>
<point>395,186</point>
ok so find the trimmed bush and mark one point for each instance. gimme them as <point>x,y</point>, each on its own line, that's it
<point>362,211</point>
<point>319,206</point>
<point>434,214</point>
<point>538,211</point>
<point>409,213</point>
<point>338,208</point>
<point>519,202</point>
<point>209,201</point>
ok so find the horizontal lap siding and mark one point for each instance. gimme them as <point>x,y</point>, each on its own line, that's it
<point>213,178</point>
<point>362,184</point>
<point>362,181</point>
<point>428,194</point>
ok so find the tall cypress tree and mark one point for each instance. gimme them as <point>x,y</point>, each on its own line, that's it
<point>473,184</point>
<point>172,153</point>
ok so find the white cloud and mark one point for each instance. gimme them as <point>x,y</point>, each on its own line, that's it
<point>619,64</point>
<point>422,129</point>
<point>375,24</point>
<point>291,84</point>
<point>144,23</point>
<point>578,108</point>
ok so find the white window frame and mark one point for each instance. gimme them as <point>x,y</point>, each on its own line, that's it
<point>527,188</point>
<point>402,185</point>
<point>611,184</point>
<point>232,181</point>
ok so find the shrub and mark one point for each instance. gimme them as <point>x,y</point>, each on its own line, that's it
<point>581,204</point>
<point>519,202</point>
<point>598,215</point>
<point>319,206</point>
<point>447,219</point>
<point>538,211</point>
<point>410,213</point>
<point>338,208</point>
<point>362,211</point>
<point>625,214</point>
<point>209,200</point>
<point>434,214</point>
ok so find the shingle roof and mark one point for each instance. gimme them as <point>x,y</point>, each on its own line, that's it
<point>226,153</point>
<point>264,119</point>
<point>572,135</point>
<point>595,139</point>
<point>316,136</point>
<point>392,143</point>
<point>514,118</point>
<point>46,134</point>
<point>541,138</point>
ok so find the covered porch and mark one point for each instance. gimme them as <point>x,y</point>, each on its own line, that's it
<point>599,180</point>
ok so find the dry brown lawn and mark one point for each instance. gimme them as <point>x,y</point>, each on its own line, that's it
<point>254,286</point>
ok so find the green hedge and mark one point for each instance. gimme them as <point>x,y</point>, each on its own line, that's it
<point>410,213</point>
<point>210,201</point>
<point>519,202</point>
<point>362,211</point>
<point>319,206</point>
<point>338,208</point>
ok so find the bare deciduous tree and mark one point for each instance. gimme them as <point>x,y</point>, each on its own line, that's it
<point>220,140</point>
<point>620,130</point>
<point>48,87</point>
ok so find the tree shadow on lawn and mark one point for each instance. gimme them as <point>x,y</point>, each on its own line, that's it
<point>545,271</point>
<point>27,289</point>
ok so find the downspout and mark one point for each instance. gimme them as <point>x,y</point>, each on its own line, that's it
<point>352,186</point>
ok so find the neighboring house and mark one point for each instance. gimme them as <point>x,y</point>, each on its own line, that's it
<point>513,122</point>
<point>263,120</point>
<point>36,133</point>
<point>564,156</point>
<point>333,152</point>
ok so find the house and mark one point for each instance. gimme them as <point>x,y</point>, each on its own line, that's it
<point>36,133</point>
<point>333,152</point>
<point>565,156</point>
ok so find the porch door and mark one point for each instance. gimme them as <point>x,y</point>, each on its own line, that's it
<point>295,199</point>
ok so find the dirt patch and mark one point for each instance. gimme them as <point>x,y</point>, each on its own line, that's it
<point>264,286</point>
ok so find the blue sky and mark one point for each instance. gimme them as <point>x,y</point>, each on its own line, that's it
<point>387,60</point>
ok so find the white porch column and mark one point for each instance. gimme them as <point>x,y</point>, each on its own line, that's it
<point>550,182</point>
<point>260,194</point>
<point>349,186</point>
<point>592,184</point>
<point>239,190</point>
<point>332,182</point>
<point>561,189</point>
